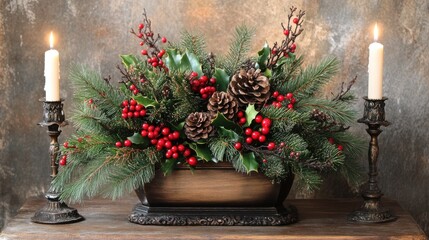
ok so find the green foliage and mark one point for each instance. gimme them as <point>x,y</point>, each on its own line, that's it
<point>311,137</point>
<point>238,50</point>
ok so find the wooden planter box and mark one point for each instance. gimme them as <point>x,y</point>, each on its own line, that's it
<point>214,194</point>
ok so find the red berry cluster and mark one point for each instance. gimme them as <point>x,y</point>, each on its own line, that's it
<point>278,100</point>
<point>63,160</point>
<point>339,146</point>
<point>127,143</point>
<point>241,118</point>
<point>164,138</point>
<point>258,136</point>
<point>203,85</point>
<point>134,89</point>
<point>156,59</point>
<point>131,109</point>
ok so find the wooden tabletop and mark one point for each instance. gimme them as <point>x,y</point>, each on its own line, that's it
<point>319,219</point>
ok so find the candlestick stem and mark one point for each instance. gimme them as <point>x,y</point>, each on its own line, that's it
<point>55,211</point>
<point>371,210</point>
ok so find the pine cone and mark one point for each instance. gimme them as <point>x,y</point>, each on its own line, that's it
<point>249,87</point>
<point>224,103</point>
<point>198,126</point>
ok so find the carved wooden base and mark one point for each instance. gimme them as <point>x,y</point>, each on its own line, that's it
<point>214,216</point>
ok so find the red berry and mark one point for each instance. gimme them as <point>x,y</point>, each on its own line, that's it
<point>292,100</point>
<point>130,114</point>
<point>262,138</point>
<point>154,64</point>
<point>259,118</point>
<point>132,87</point>
<point>125,103</point>
<point>276,94</point>
<point>168,145</point>
<point>255,135</point>
<point>135,91</point>
<point>154,141</point>
<point>133,102</point>
<point>242,121</point>
<point>194,74</point>
<point>63,161</point>
<point>187,153</point>
<point>282,144</point>
<point>213,80</point>
<point>277,104</point>
<point>238,146</point>
<point>286,32</point>
<point>139,107</point>
<point>331,140</point>
<point>132,108</point>
<point>192,161</point>
<point>161,142</point>
<point>271,146</point>
<point>295,20</point>
<point>165,131</point>
<point>290,106</point>
<point>293,46</point>
<point>124,115</point>
<point>176,135</point>
<point>141,43</point>
<point>181,148</point>
<point>66,144</point>
<point>264,160</point>
<point>340,148</point>
<point>248,131</point>
<point>249,140</point>
<point>168,154</point>
<point>136,114</point>
<point>151,128</point>
<point>280,98</point>
<point>175,155</point>
<point>144,52</point>
<point>118,144</point>
<point>266,122</point>
<point>144,133</point>
<point>151,135</point>
<point>289,95</point>
<point>159,147</point>
<point>141,26</point>
<point>127,143</point>
<point>240,114</point>
<point>265,130</point>
<point>145,126</point>
<point>163,39</point>
<point>140,35</point>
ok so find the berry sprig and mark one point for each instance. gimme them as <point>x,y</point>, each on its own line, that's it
<point>241,118</point>
<point>132,109</point>
<point>339,146</point>
<point>163,138</point>
<point>278,100</point>
<point>257,137</point>
<point>150,42</point>
<point>63,160</point>
<point>202,85</point>
<point>291,31</point>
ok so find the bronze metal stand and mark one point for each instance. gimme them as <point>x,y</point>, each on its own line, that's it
<point>372,211</point>
<point>55,211</point>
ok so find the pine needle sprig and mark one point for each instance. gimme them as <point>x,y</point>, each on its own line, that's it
<point>239,49</point>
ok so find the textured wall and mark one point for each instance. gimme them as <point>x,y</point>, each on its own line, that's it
<point>96,32</point>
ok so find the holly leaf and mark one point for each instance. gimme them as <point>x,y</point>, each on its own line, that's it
<point>173,59</point>
<point>145,101</point>
<point>229,134</point>
<point>194,64</point>
<point>129,60</point>
<point>136,138</point>
<point>222,79</point>
<point>250,114</point>
<point>263,55</point>
<point>168,166</point>
<point>249,162</point>
<point>202,151</point>
<point>222,121</point>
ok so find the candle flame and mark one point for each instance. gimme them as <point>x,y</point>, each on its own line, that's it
<point>51,40</point>
<point>376,33</point>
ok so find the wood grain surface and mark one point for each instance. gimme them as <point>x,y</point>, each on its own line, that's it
<point>106,219</point>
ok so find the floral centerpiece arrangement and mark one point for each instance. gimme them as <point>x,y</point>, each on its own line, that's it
<point>177,104</point>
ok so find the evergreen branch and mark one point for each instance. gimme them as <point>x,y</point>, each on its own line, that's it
<point>338,111</point>
<point>313,78</point>
<point>342,95</point>
<point>238,50</point>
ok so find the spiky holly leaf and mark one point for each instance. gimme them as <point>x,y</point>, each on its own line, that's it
<point>222,79</point>
<point>231,135</point>
<point>249,161</point>
<point>263,55</point>
<point>137,138</point>
<point>183,62</point>
<point>222,121</point>
<point>250,114</point>
<point>129,60</point>
<point>145,101</point>
<point>202,151</point>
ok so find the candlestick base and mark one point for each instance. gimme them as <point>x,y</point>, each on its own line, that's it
<point>370,214</point>
<point>56,212</point>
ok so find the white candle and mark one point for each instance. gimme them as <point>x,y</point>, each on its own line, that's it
<point>375,68</point>
<point>52,73</point>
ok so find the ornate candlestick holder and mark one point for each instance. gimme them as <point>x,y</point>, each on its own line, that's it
<point>55,211</point>
<point>372,211</point>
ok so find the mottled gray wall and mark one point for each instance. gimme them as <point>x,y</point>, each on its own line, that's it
<point>96,32</point>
